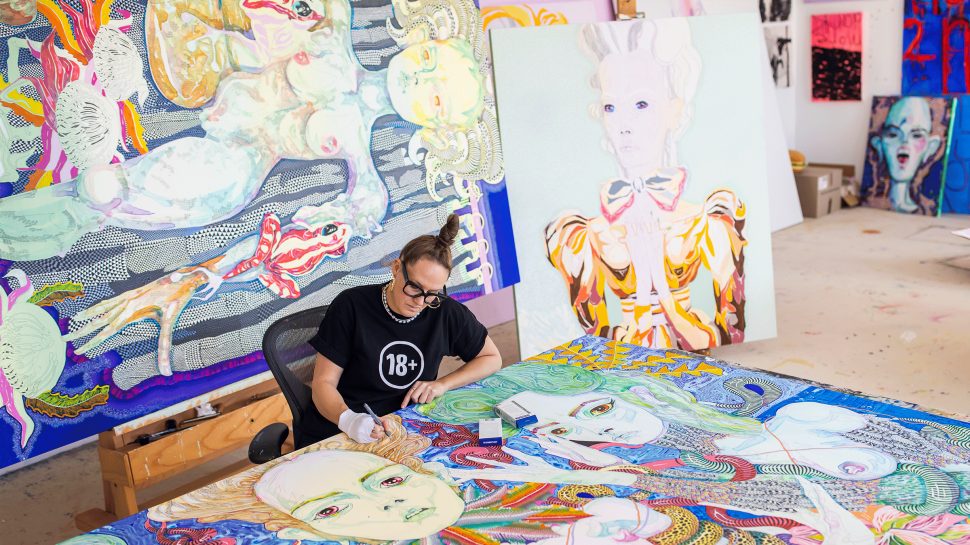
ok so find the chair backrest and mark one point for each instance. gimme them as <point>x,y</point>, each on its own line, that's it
<point>291,359</point>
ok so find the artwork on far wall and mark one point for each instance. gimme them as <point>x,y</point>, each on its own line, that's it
<point>778,41</point>
<point>906,156</point>
<point>936,61</point>
<point>175,177</point>
<point>774,11</point>
<point>511,13</point>
<point>837,56</point>
<point>638,215</point>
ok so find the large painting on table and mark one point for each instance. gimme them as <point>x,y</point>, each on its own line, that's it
<point>906,159</point>
<point>176,176</point>
<point>632,445</point>
<point>639,181</point>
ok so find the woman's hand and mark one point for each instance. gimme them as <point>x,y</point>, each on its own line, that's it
<point>424,391</point>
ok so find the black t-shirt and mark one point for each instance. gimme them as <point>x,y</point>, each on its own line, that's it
<point>381,357</point>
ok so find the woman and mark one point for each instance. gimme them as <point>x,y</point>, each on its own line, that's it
<point>382,344</point>
<point>649,244</point>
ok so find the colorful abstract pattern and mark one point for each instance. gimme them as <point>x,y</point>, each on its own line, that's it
<point>633,445</point>
<point>511,14</point>
<point>837,56</point>
<point>936,61</point>
<point>175,176</point>
<point>935,57</point>
<point>907,153</point>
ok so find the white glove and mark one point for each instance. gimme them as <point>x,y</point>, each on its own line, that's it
<point>357,426</point>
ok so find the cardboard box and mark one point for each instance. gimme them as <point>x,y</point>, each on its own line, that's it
<point>848,171</point>
<point>819,190</point>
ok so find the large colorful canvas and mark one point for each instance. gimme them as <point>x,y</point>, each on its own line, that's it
<point>906,159</point>
<point>956,186</point>
<point>633,446</point>
<point>936,61</point>
<point>837,56</point>
<point>176,176</point>
<point>650,137</point>
<point>935,57</point>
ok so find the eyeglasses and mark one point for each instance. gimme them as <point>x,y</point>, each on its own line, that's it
<point>431,298</point>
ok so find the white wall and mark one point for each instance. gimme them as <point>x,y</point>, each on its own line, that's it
<point>836,132</point>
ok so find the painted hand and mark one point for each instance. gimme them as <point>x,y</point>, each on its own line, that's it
<point>161,301</point>
<point>423,392</point>
<point>536,470</point>
<point>569,450</point>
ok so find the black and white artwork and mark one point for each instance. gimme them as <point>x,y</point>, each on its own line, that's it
<point>774,11</point>
<point>778,40</point>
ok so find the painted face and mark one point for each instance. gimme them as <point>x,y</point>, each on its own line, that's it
<point>427,275</point>
<point>905,138</point>
<point>360,495</point>
<point>636,109</point>
<point>593,416</point>
<point>437,84</point>
<point>810,434</point>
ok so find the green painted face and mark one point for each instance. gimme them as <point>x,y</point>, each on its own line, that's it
<point>437,84</point>
<point>906,139</point>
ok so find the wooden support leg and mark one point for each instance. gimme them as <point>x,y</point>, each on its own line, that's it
<point>123,498</point>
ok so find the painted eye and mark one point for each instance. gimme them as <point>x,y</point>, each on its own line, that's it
<point>392,481</point>
<point>642,105</point>
<point>559,431</point>
<point>328,512</point>
<point>302,9</point>
<point>609,108</point>
<point>330,229</point>
<point>601,409</point>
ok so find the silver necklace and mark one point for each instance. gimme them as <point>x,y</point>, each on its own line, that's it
<point>391,314</point>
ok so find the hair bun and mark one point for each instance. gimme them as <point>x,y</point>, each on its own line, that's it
<point>449,231</point>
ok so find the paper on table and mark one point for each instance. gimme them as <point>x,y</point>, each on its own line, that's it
<point>965,233</point>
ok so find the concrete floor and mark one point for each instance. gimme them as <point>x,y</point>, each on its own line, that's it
<point>867,300</point>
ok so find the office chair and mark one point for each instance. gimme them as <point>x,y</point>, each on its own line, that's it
<point>291,360</point>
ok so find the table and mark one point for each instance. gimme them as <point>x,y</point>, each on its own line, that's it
<point>633,445</point>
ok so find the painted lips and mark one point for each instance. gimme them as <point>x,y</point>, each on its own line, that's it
<point>418,513</point>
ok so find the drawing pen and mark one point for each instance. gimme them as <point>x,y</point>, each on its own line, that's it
<point>374,416</point>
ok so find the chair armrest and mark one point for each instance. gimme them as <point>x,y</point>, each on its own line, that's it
<point>267,444</point>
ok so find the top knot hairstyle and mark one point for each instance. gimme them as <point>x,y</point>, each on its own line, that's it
<point>434,247</point>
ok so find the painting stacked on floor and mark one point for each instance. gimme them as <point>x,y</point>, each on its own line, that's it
<point>632,445</point>
<point>176,176</point>
<point>906,156</point>
<point>936,62</point>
